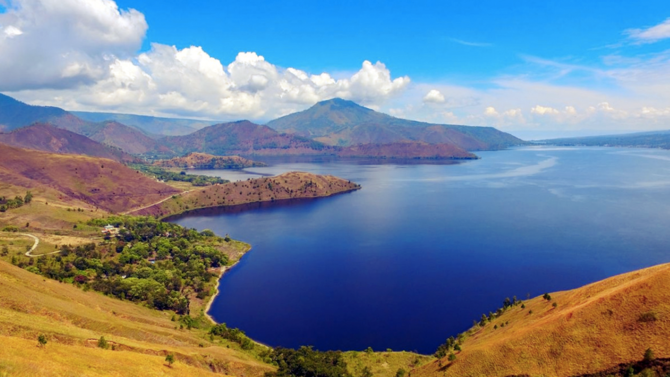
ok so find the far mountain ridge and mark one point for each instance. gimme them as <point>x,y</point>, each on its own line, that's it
<point>342,122</point>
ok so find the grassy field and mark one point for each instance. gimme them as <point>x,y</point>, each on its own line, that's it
<point>73,320</point>
<point>384,364</point>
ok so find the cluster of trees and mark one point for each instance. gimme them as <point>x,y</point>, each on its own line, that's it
<point>17,202</point>
<point>452,344</point>
<point>153,262</point>
<point>236,335</point>
<point>165,175</point>
<point>307,362</point>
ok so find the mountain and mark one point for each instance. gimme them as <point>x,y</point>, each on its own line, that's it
<point>15,114</point>
<point>207,161</point>
<point>47,138</point>
<point>582,331</point>
<point>654,139</point>
<point>99,182</point>
<point>345,123</point>
<point>153,126</point>
<point>118,135</point>
<point>242,138</point>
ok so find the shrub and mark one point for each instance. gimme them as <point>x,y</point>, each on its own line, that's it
<point>452,357</point>
<point>649,355</point>
<point>547,296</point>
<point>169,358</point>
<point>42,340</point>
<point>400,373</point>
<point>648,317</point>
<point>102,343</point>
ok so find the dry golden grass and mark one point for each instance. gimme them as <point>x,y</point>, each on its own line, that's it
<point>73,320</point>
<point>384,364</point>
<point>593,328</point>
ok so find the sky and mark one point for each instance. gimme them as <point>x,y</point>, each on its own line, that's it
<point>535,69</point>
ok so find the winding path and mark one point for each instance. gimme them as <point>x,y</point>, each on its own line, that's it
<point>37,242</point>
<point>155,204</point>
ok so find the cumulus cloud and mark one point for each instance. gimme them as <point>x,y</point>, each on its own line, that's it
<point>434,96</point>
<point>651,34</point>
<point>542,110</point>
<point>63,43</point>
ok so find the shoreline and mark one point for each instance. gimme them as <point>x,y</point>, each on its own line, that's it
<point>224,269</point>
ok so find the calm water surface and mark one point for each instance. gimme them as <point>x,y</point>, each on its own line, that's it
<point>422,250</point>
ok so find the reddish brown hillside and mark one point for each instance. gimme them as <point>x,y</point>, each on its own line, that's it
<point>409,150</point>
<point>47,138</point>
<point>285,186</point>
<point>242,138</point>
<point>103,183</point>
<point>591,329</point>
<point>207,161</point>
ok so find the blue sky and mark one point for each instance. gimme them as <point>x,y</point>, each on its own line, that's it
<point>559,67</point>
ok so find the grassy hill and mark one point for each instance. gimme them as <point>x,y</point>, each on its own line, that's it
<point>590,329</point>
<point>73,321</point>
<point>47,138</point>
<point>345,123</point>
<point>99,183</point>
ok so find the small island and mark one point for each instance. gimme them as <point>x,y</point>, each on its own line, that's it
<point>292,185</point>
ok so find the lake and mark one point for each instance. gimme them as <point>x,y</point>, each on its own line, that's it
<point>424,249</point>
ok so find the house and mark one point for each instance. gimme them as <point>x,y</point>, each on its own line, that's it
<point>110,230</point>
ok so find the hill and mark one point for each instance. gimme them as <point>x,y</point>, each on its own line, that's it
<point>207,161</point>
<point>47,138</point>
<point>115,134</point>
<point>345,123</point>
<point>15,114</point>
<point>656,139</point>
<point>73,321</point>
<point>293,185</point>
<point>153,126</point>
<point>242,138</point>
<point>591,329</point>
<point>100,183</point>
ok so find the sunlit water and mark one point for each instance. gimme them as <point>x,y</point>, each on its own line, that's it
<point>422,250</point>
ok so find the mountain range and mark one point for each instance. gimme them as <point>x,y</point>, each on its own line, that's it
<point>334,127</point>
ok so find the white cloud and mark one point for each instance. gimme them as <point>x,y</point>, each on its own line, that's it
<point>491,111</point>
<point>63,43</point>
<point>542,110</point>
<point>434,96</point>
<point>651,34</point>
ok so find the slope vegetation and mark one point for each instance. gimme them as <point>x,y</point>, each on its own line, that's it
<point>591,329</point>
<point>407,150</point>
<point>101,183</point>
<point>73,321</point>
<point>293,185</point>
<point>151,125</point>
<point>657,139</point>
<point>207,161</point>
<point>47,138</point>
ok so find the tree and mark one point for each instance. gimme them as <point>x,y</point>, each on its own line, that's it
<point>547,296</point>
<point>169,359</point>
<point>452,357</point>
<point>42,340</point>
<point>366,372</point>
<point>102,343</point>
<point>400,373</point>
<point>554,304</point>
<point>28,198</point>
<point>649,355</point>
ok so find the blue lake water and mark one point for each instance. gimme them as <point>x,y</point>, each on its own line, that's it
<point>422,250</point>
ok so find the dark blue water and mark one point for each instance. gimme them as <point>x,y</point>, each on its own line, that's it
<point>422,250</point>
